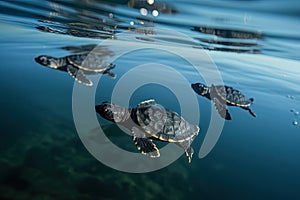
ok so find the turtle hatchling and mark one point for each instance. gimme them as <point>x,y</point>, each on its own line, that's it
<point>149,121</point>
<point>78,65</point>
<point>222,96</point>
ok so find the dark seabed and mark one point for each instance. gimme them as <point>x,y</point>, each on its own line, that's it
<point>254,44</point>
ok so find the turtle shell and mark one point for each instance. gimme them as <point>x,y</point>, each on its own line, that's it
<point>233,96</point>
<point>164,124</point>
<point>89,62</point>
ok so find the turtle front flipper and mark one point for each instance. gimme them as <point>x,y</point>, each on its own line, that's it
<point>144,144</point>
<point>219,103</point>
<point>79,76</point>
<point>189,151</point>
<point>221,108</point>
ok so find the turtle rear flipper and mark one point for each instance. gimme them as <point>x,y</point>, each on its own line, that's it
<point>251,112</point>
<point>189,153</point>
<point>79,76</point>
<point>144,144</point>
<point>109,73</point>
<point>186,145</point>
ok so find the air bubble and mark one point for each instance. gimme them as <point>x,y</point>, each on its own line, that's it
<point>295,122</point>
<point>144,11</point>
<point>155,13</point>
<point>150,2</point>
<point>294,111</point>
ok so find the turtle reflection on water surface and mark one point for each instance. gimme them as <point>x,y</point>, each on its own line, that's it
<point>78,65</point>
<point>150,121</point>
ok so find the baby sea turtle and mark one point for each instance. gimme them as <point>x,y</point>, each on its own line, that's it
<point>150,121</point>
<point>78,65</point>
<point>222,96</point>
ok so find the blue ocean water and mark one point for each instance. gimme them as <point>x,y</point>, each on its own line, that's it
<point>254,45</point>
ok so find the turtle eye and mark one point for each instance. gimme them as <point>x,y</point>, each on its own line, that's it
<point>204,91</point>
<point>108,108</point>
<point>44,59</point>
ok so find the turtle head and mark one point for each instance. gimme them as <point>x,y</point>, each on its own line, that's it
<point>200,88</point>
<point>48,61</point>
<point>112,112</point>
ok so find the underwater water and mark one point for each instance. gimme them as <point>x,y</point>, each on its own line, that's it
<point>254,46</point>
